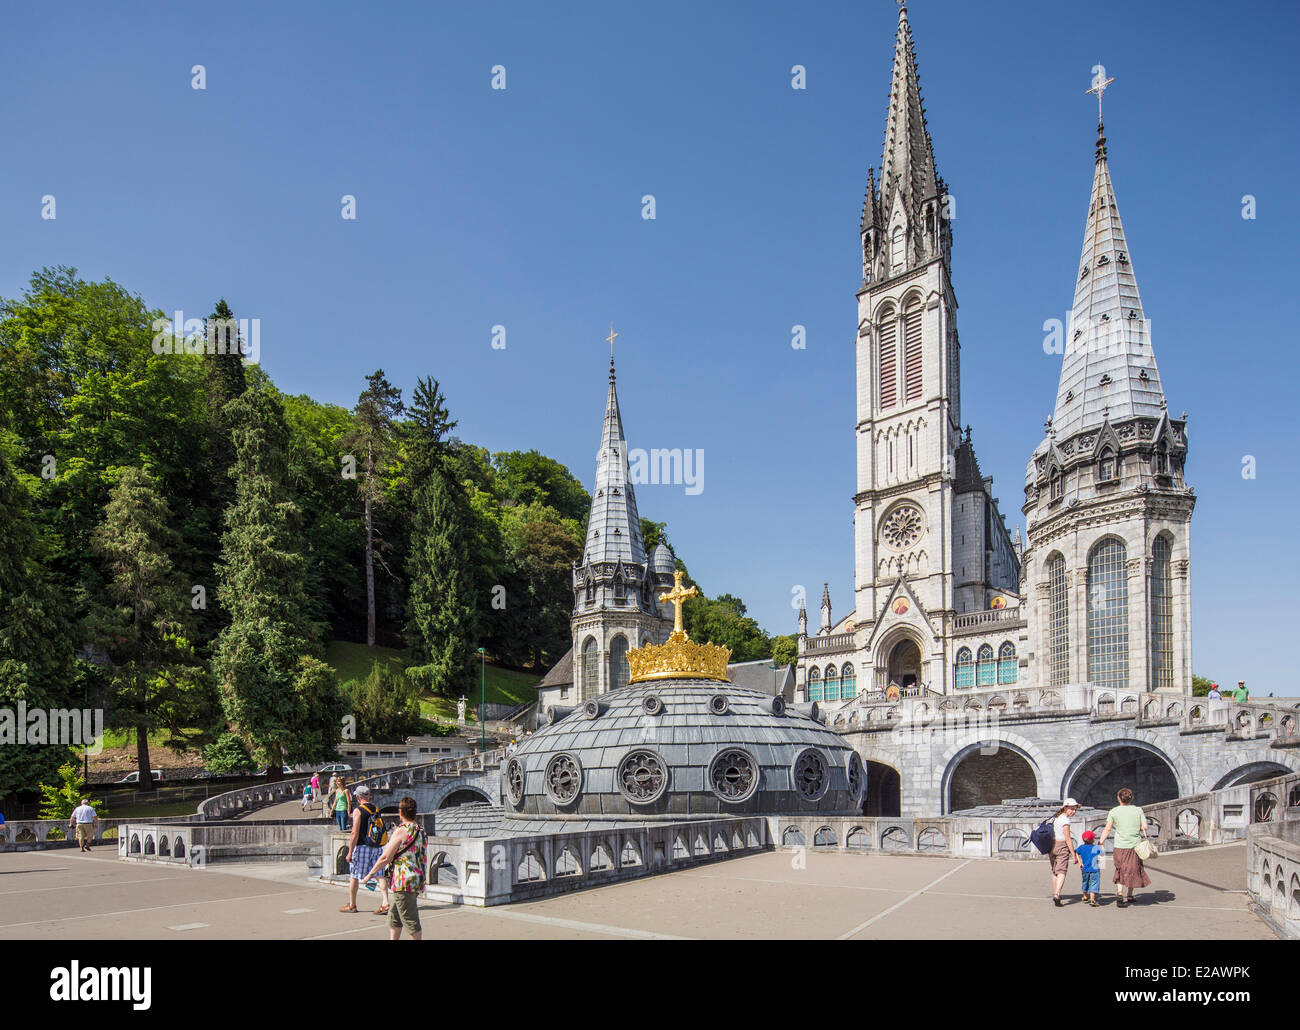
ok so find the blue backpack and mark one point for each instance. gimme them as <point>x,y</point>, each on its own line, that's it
<point>1043,837</point>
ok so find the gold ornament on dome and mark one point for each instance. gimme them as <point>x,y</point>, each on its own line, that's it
<point>679,657</point>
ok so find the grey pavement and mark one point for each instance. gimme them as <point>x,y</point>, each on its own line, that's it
<point>1200,895</point>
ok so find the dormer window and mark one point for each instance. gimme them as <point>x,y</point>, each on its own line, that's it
<point>1058,486</point>
<point>1162,459</point>
<point>1107,469</point>
<point>897,250</point>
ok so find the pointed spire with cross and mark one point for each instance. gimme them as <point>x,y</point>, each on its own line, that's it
<point>1099,86</point>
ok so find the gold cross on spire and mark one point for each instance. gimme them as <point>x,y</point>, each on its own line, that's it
<point>1099,85</point>
<point>677,595</point>
<point>610,340</point>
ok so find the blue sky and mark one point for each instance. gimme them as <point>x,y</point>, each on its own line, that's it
<point>522,208</point>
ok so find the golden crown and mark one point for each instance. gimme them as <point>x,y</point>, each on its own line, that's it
<point>679,657</point>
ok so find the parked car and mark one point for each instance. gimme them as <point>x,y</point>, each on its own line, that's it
<point>286,769</point>
<point>135,776</point>
<point>337,767</point>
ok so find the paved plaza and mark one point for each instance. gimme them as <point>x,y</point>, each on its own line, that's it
<point>62,894</point>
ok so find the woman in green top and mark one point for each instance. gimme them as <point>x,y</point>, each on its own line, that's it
<point>1130,826</point>
<point>342,804</point>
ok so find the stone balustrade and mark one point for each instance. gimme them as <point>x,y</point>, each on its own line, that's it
<point>32,834</point>
<point>1273,875</point>
<point>830,642</point>
<point>976,622</point>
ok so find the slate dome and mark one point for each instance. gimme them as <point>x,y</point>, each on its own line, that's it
<point>680,748</point>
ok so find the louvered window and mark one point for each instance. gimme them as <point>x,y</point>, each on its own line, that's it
<point>888,361</point>
<point>912,352</point>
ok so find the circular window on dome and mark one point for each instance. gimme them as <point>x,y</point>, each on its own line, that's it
<point>857,775</point>
<point>563,779</point>
<point>719,705</point>
<point>778,705</point>
<point>591,709</point>
<point>515,782</point>
<point>642,776</point>
<point>811,775</point>
<point>733,775</point>
<point>651,705</point>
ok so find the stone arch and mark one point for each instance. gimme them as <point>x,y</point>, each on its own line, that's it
<point>1251,772</point>
<point>1098,745</point>
<point>443,792</point>
<point>972,741</point>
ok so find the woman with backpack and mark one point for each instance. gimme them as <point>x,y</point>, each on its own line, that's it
<point>1063,848</point>
<point>1130,826</point>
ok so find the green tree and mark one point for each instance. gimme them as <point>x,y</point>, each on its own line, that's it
<point>386,705</point>
<point>1201,685</point>
<point>58,801</point>
<point>227,754</point>
<point>374,420</point>
<point>722,620</point>
<point>442,604</point>
<point>528,477</point>
<point>275,690</point>
<point>156,679</point>
<point>785,649</point>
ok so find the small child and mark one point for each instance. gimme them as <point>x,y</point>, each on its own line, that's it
<point>1090,867</point>
<point>306,796</point>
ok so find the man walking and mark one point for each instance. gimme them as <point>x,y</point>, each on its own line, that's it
<point>1241,694</point>
<point>365,846</point>
<point>85,819</point>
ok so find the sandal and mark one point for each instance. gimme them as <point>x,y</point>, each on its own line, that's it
<point>347,908</point>
<point>382,910</point>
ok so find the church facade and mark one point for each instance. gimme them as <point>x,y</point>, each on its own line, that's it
<point>944,598</point>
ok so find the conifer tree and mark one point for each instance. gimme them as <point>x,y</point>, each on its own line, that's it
<point>277,693</point>
<point>372,439</point>
<point>441,604</point>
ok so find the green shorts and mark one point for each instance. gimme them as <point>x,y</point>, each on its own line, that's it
<point>403,911</point>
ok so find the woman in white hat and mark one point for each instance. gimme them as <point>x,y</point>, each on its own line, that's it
<point>1063,850</point>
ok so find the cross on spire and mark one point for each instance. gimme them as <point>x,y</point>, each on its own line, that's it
<point>1099,85</point>
<point>610,340</point>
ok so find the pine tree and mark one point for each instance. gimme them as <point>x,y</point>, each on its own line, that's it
<point>441,603</point>
<point>276,692</point>
<point>374,418</point>
<point>157,681</point>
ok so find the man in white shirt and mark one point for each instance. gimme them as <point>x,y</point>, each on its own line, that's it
<point>85,818</point>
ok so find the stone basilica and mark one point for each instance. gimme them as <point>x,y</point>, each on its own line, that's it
<point>944,599</point>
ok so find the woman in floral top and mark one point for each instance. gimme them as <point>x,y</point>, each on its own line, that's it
<point>407,854</point>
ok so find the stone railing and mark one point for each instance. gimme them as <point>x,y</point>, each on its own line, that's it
<point>830,642</point>
<point>1226,814</point>
<point>195,843</point>
<point>1273,875</point>
<point>496,871</point>
<point>31,834</point>
<point>235,803</point>
<point>974,622</point>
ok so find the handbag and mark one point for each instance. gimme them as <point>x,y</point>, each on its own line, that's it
<point>1145,850</point>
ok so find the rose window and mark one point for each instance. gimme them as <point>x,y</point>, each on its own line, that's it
<point>563,779</point>
<point>903,526</point>
<point>734,775</point>
<point>515,782</point>
<point>642,777</point>
<point>857,777</point>
<point>810,775</point>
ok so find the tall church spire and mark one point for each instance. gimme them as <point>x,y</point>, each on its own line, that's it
<point>1109,370</point>
<point>613,527</point>
<point>907,164</point>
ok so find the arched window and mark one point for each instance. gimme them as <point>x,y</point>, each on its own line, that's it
<point>814,685</point>
<point>1162,616</point>
<point>897,250</point>
<point>1162,458</point>
<point>590,670</point>
<point>591,593</point>
<point>1058,622</point>
<point>620,592</point>
<point>1107,470</point>
<point>1108,614</point>
<point>848,682</point>
<point>618,671</point>
<point>986,671</point>
<point>1007,669</point>
<point>888,351</point>
<point>964,675</point>
<point>912,352</point>
<point>831,685</point>
<point>1058,486</point>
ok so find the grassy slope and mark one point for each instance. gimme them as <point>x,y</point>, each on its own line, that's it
<point>504,686</point>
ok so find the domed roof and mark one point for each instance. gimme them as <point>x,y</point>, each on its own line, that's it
<point>680,748</point>
<point>661,560</point>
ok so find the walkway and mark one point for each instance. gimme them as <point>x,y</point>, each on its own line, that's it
<point>1194,895</point>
